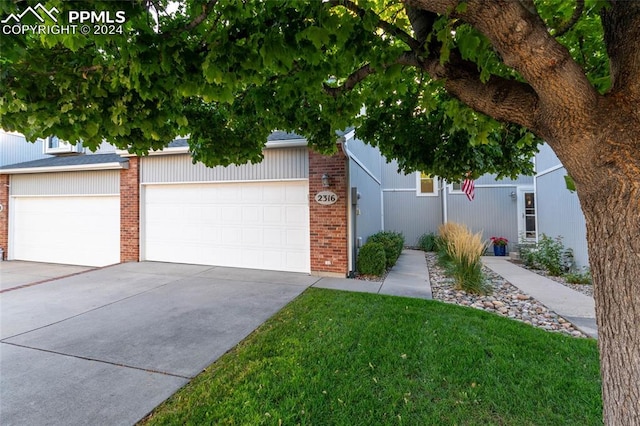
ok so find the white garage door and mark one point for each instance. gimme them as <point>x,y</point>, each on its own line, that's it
<point>81,230</point>
<point>261,225</point>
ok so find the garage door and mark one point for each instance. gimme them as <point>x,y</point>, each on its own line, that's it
<point>71,230</point>
<point>247,225</point>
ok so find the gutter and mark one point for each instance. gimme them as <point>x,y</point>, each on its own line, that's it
<point>74,168</point>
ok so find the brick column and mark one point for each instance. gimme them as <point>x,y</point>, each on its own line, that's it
<point>130,211</point>
<point>329,224</point>
<point>4,214</point>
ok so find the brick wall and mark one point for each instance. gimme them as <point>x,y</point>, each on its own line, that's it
<point>130,211</point>
<point>328,224</point>
<point>4,214</point>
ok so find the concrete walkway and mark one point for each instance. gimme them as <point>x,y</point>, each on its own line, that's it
<point>576,307</point>
<point>409,278</point>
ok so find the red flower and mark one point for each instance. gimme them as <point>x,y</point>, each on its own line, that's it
<point>499,241</point>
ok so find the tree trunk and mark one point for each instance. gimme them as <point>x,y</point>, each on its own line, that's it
<point>614,250</point>
<point>609,192</point>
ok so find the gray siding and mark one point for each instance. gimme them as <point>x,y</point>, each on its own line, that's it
<point>492,212</point>
<point>368,156</point>
<point>104,182</point>
<point>285,163</point>
<point>15,149</point>
<point>489,179</point>
<point>104,148</point>
<point>413,216</point>
<point>391,179</point>
<point>560,214</point>
<point>546,158</point>
<point>369,221</point>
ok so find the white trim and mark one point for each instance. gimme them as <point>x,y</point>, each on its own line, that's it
<point>286,143</point>
<point>72,168</point>
<point>63,147</point>
<point>116,194</point>
<point>349,135</point>
<point>399,190</point>
<point>549,170</point>
<point>351,155</point>
<point>436,186</point>
<point>165,151</point>
<point>520,191</point>
<point>515,185</point>
<point>453,191</point>
<point>224,181</point>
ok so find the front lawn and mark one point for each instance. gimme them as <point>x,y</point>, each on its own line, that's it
<point>338,358</point>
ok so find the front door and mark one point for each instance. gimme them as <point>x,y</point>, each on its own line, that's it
<point>527,214</point>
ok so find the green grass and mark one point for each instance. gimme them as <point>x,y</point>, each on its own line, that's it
<point>337,358</point>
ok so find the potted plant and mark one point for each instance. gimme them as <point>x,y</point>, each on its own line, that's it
<point>499,246</point>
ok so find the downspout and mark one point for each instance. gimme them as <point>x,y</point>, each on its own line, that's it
<point>351,222</point>
<point>445,212</point>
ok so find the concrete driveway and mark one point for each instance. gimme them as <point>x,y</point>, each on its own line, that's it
<point>108,345</point>
<point>17,273</point>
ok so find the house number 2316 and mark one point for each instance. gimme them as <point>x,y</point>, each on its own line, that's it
<point>326,197</point>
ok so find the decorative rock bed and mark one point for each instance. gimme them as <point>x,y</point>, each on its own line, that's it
<point>506,300</point>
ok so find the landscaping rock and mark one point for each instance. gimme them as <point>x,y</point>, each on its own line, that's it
<point>505,300</point>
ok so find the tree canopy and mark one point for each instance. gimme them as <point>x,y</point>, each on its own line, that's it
<point>228,73</point>
<point>445,86</point>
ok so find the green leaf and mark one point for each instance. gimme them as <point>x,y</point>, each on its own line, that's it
<point>570,184</point>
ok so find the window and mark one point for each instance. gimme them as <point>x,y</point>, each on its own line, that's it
<point>456,188</point>
<point>426,185</point>
<point>54,145</point>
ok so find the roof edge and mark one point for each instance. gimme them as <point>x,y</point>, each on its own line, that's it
<point>73,168</point>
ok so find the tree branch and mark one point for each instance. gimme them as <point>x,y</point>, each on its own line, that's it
<point>206,10</point>
<point>621,23</point>
<point>505,100</point>
<point>382,24</point>
<point>522,40</point>
<point>577,12</point>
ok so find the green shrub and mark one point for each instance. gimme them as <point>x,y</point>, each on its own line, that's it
<point>548,254</point>
<point>427,242</point>
<point>372,259</point>
<point>577,277</point>
<point>393,242</point>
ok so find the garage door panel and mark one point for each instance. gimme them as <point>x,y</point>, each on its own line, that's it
<point>81,230</point>
<point>251,225</point>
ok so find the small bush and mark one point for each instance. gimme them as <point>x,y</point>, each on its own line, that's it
<point>372,259</point>
<point>578,277</point>
<point>427,242</point>
<point>459,253</point>
<point>393,242</point>
<point>548,254</point>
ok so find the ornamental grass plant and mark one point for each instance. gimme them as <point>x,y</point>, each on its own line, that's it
<point>461,251</point>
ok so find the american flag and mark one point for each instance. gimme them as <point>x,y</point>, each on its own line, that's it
<point>468,187</point>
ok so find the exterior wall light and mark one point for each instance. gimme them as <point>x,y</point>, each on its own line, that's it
<point>326,181</point>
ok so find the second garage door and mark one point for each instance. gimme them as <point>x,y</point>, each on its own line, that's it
<point>82,230</point>
<point>262,225</point>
